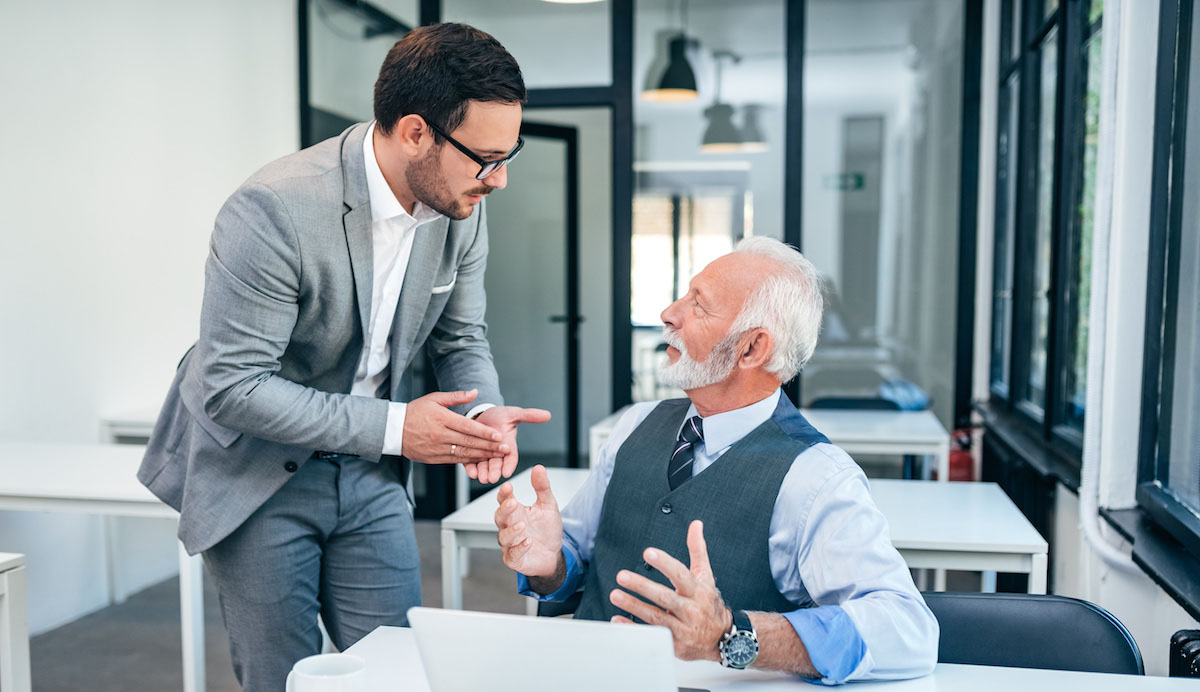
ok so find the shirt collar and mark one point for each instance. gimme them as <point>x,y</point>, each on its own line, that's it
<point>724,429</point>
<point>384,204</point>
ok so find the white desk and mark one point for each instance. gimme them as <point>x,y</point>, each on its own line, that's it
<point>101,479</point>
<point>14,625</point>
<point>394,664</point>
<point>967,526</point>
<point>858,432</point>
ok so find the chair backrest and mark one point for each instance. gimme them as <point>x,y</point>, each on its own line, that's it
<point>855,402</point>
<point>1032,631</point>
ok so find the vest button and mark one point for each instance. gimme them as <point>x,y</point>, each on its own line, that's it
<point>291,467</point>
<point>666,509</point>
<point>646,566</point>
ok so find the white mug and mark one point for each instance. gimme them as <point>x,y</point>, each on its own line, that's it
<point>328,673</point>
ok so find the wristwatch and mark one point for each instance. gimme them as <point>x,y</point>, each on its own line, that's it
<point>739,646</point>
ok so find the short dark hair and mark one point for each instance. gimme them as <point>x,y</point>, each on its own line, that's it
<point>435,70</point>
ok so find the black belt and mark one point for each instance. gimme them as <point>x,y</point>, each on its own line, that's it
<point>405,464</point>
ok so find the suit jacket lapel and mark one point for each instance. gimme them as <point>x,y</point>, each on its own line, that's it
<point>428,248</point>
<point>357,221</point>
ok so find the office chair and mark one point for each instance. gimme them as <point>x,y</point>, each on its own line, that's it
<point>1032,631</point>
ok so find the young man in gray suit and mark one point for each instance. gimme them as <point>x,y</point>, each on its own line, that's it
<point>281,438</point>
<point>725,516</point>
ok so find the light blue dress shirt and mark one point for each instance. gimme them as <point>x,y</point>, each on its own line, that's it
<point>829,547</point>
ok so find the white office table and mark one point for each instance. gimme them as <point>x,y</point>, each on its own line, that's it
<point>14,625</point>
<point>856,431</point>
<point>394,664</point>
<point>101,479</point>
<point>967,526</point>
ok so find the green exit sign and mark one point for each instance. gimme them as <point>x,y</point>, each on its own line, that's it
<point>843,181</point>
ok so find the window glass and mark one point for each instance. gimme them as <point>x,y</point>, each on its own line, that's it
<point>1040,318</point>
<point>1075,391</point>
<point>1006,173</point>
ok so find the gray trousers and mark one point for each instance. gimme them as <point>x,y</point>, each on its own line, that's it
<point>337,539</point>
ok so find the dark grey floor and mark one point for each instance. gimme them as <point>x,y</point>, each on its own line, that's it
<point>135,646</point>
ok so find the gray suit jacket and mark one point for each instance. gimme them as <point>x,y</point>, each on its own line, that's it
<point>287,301</point>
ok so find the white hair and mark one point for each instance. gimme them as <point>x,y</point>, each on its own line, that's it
<point>788,304</point>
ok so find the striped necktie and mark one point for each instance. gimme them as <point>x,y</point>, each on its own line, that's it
<point>680,467</point>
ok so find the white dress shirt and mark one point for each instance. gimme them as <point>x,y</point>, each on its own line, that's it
<point>392,232</point>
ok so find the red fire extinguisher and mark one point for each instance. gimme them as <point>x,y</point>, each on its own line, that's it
<point>962,462</point>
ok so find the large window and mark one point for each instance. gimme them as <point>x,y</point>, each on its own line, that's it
<point>1169,475</point>
<point>1049,95</point>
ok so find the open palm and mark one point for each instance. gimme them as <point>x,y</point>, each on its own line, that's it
<point>530,536</point>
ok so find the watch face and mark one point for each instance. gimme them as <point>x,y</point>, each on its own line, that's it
<point>741,651</point>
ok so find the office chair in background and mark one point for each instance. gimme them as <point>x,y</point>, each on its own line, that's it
<point>1032,631</point>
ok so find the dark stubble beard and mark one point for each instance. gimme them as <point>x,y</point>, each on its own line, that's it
<point>428,185</point>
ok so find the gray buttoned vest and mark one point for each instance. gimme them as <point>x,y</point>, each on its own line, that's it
<point>734,497</point>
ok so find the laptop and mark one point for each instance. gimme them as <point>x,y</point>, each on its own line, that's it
<point>465,651</point>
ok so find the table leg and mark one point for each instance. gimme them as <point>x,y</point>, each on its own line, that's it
<point>988,582</point>
<point>1037,574</point>
<point>451,573</point>
<point>111,535</point>
<point>462,498</point>
<point>939,580</point>
<point>531,605</point>
<point>14,632</point>
<point>191,616</point>
<point>943,461</point>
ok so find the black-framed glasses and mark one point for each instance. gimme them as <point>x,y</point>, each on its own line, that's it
<point>486,167</point>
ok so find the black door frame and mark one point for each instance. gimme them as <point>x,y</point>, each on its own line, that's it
<point>570,137</point>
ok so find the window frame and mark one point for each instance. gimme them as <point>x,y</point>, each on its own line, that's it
<point>1068,25</point>
<point>1162,294</point>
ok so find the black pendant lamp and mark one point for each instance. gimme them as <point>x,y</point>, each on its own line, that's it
<point>721,136</point>
<point>678,82</point>
<point>753,140</point>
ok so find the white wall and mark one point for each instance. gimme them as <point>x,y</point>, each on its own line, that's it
<point>126,124</point>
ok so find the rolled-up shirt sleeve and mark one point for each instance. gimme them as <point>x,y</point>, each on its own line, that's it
<point>870,621</point>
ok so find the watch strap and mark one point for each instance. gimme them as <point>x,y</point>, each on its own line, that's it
<point>741,621</point>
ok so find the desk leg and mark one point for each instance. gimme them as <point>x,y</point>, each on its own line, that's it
<point>14,632</point>
<point>191,617</point>
<point>116,594</point>
<point>987,582</point>
<point>531,605</point>
<point>451,574</point>
<point>943,462</point>
<point>462,498</point>
<point>1037,574</point>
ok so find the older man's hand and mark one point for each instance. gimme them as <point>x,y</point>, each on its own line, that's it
<point>531,537</point>
<point>504,420</point>
<point>694,611</point>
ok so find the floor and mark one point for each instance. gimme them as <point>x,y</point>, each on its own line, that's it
<point>135,646</point>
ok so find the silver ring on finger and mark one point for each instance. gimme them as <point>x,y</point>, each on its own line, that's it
<point>453,450</point>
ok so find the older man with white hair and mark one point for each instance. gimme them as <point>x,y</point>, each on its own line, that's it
<point>737,524</point>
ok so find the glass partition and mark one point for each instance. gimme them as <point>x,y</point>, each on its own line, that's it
<point>709,163</point>
<point>882,120</point>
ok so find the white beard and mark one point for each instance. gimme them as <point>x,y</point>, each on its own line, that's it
<point>688,374</point>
